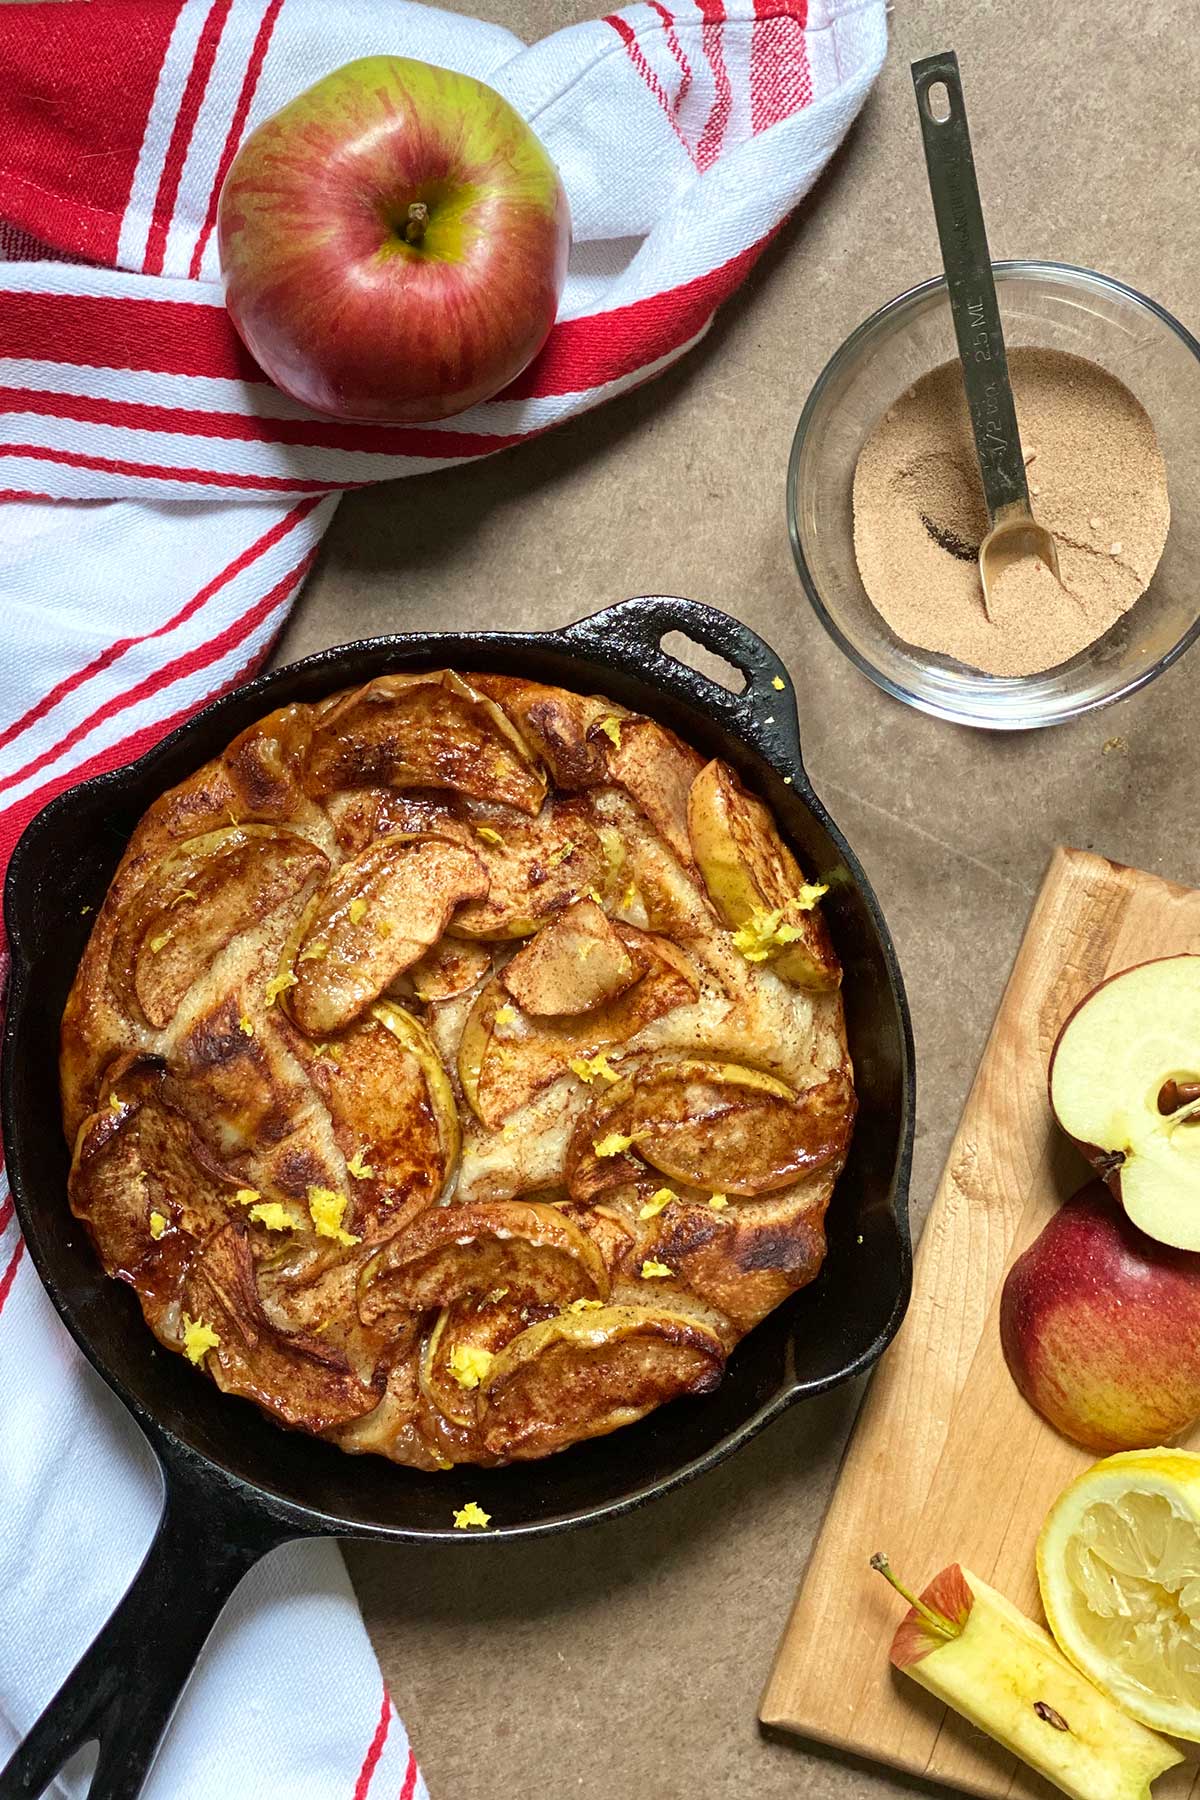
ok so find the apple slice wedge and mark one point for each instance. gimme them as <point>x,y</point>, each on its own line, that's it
<point>425,731</point>
<point>755,882</point>
<point>530,1248</point>
<point>376,916</point>
<point>584,1374</point>
<point>657,771</point>
<point>1115,1078</point>
<point>457,1353</point>
<point>575,963</point>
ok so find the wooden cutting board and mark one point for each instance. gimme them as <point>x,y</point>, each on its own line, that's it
<point>947,1463</point>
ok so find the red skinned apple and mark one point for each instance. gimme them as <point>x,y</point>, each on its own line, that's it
<point>393,243</point>
<point>1125,1085</point>
<point>1100,1327</point>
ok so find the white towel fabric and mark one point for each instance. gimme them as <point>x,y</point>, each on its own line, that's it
<point>160,505</point>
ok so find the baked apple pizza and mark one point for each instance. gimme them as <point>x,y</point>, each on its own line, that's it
<point>457,1068</point>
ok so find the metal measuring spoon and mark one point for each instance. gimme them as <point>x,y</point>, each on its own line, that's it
<point>1015,533</point>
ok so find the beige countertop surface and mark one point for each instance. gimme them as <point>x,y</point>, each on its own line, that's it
<point>627,1660</point>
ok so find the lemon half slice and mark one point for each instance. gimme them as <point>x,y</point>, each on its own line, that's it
<point>1119,1568</point>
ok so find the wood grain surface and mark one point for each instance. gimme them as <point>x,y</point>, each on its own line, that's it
<point>947,1462</point>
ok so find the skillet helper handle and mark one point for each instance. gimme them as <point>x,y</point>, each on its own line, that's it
<point>973,305</point>
<point>633,630</point>
<point>125,1687</point>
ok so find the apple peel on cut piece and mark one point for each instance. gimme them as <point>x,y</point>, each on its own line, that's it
<point>971,1648</point>
<point>1120,1060</point>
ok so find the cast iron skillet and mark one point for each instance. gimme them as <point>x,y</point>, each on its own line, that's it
<point>235,1484</point>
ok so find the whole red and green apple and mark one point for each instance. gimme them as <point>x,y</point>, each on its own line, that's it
<point>393,243</point>
<point>1100,1327</point>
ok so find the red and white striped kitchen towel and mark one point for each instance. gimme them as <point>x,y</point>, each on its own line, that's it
<point>160,505</point>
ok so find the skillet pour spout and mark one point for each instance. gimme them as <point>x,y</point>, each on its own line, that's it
<point>235,1485</point>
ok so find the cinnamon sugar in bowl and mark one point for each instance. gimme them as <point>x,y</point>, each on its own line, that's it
<point>1046,308</point>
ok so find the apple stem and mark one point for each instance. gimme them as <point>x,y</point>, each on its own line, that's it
<point>937,1622</point>
<point>415,223</point>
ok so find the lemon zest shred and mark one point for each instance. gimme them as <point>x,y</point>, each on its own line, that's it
<point>489,835</point>
<point>718,1201</point>
<point>652,1269</point>
<point>158,1225</point>
<point>361,1171</point>
<point>469,1363</point>
<point>612,729</point>
<point>582,1306</point>
<point>198,1339</point>
<point>612,1145</point>
<point>358,907</point>
<point>278,984</point>
<point>326,1208</point>
<point>156,943</point>
<point>778,683</point>
<point>560,855</point>
<point>471,1514</point>
<point>245,1025</point>
<point>579,1066</point>
<point>247,1196</point>
<point>661,1197</point>
<point>274,1216</point>
<point>504,1015</point>
<point>314,952</point>
<point>117,1105</point>
<point>184,894</point>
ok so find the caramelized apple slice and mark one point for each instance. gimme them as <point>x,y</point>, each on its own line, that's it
<point>450,968</point>
<point>736,1130</point>
<point>563,729</point>
<point>535,1251</point>
<point>394,1117</point>
<point>258,779</point>
<point>458,1352</point>
<point>575,963</point>
<point>145,1195</point>
<point>242,1090</point>
<point>428,731</point>
<point>537,867</point>
<point>584,1374</point>
<point>302,1379</point>
<point>657,770</point>
<point>747,1259</point>
<point>503,1063</point>
<point>209,891</point>
<point>375,917</point>
<point>755,882</point>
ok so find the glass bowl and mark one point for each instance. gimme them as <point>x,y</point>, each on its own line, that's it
<point>1051,306</point>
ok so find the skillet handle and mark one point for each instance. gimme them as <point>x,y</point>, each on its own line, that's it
<point>632,630</point>
<point>126,1685</point>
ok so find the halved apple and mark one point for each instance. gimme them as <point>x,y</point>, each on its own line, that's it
<point>752,876</point>
<point>538,866</point>
<point>503,1064</point>
<point>373,918</point>
<point>575,963</point>
<point>210,890</point>
<point>1115,1078</point>
<point>424,731</point>
<point>657,770</point>
<point>533,1250</point>
<point>584,1374</point>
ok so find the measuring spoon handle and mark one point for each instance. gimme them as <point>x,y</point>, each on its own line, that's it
<point>968,265</point>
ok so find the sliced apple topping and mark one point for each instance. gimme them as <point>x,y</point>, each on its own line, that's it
<point>136,1160</point>
<point>458,1353</point>
<point>540,866</point>
<point>303,1379</point>
<point>450,968</point>
<point>657,771</point>
<point>575,963</point>
<point>584,1374</point>
<point>210,890</point>
<point>536,1252</point>
<point>425,731</point>
<point>1114,1060</point>
<point>376,916</point>
<point>563,729</point>
<point>502,1065</point>
<point>755,882</point>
